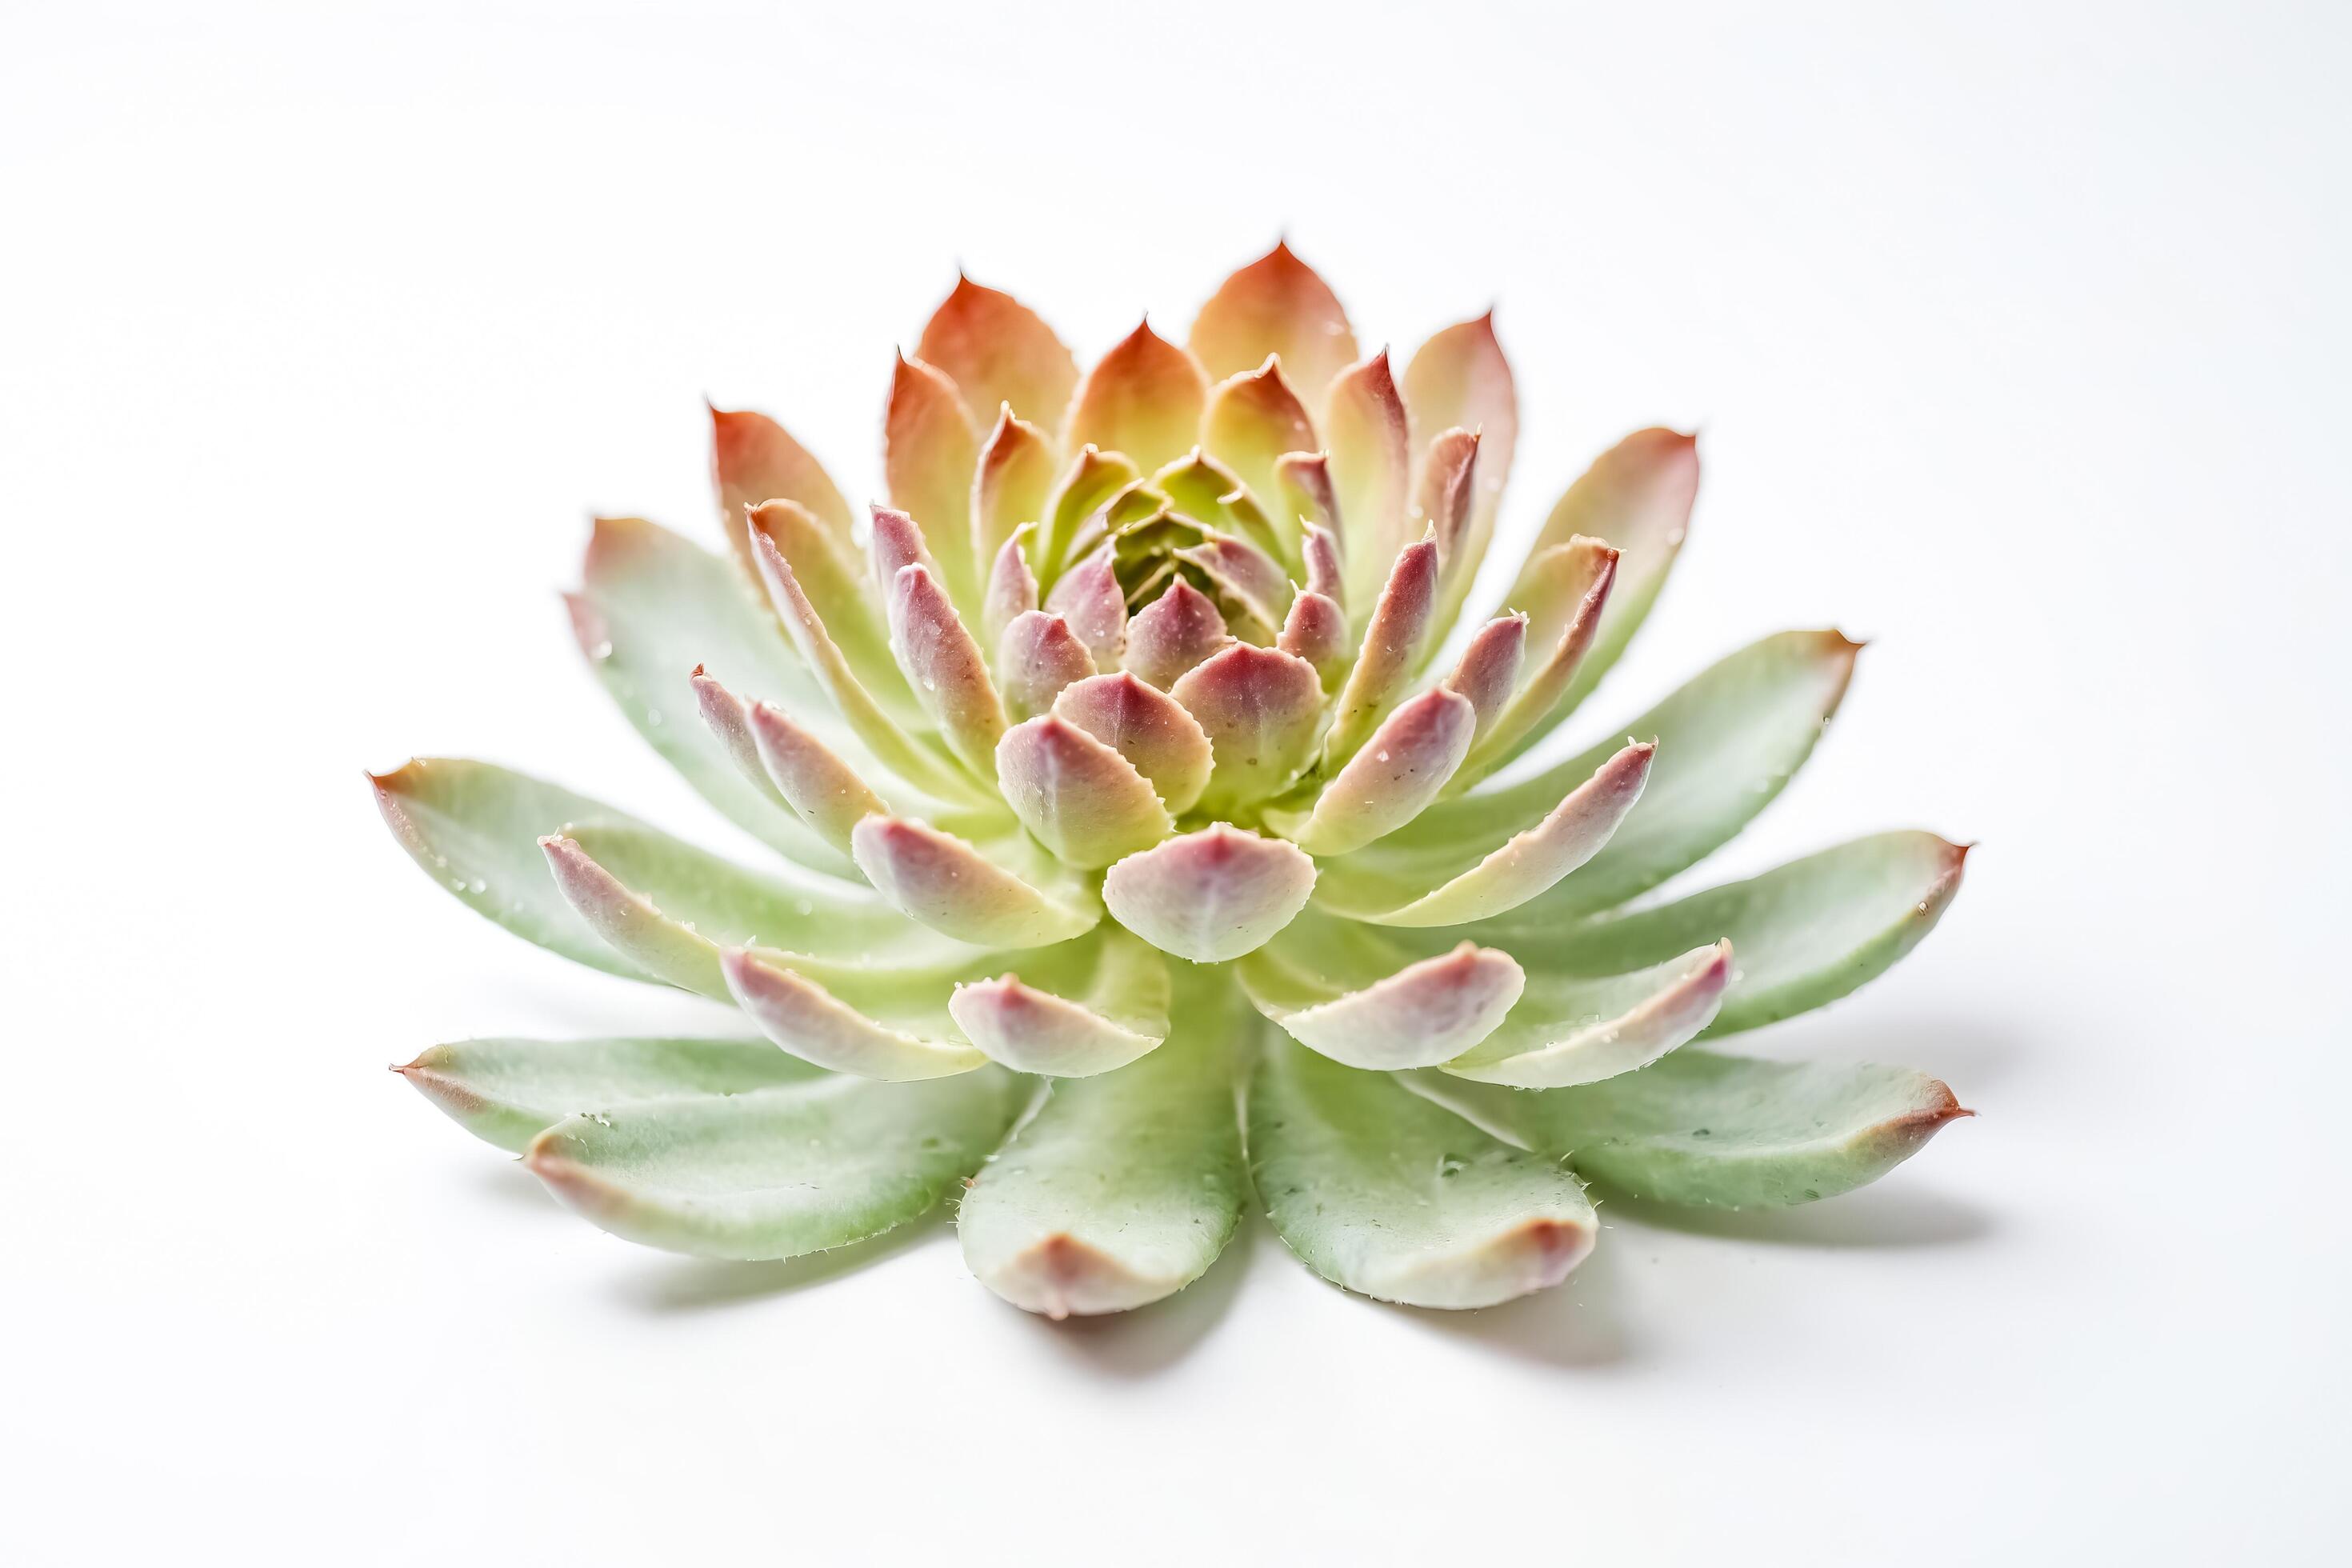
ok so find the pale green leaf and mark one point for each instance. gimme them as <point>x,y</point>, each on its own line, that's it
<point>1379,1190</point>
<point>507,1091</point>
<point>1701,1128</point>
<point>1123,1188</point>
<point>776,1173</point>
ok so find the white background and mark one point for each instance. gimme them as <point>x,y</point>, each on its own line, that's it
<point>2018,337</point>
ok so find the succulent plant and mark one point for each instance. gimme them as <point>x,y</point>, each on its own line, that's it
<point>1148,836</point>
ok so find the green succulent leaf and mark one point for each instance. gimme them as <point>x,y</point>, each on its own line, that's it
<point>475,828</point>
<point>1379,1190</point>
<point>1704,1129</point>
<point>1727,742</point>
<point>670,909</point>
<point>652,609</point>
<point>1124,1187</point>
<point>508,1091</point>
<point>775,1173</point>
<point>1805,934</point>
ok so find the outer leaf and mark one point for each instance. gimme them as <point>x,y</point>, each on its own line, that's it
<point>1385,785</point>
<point>507,1091</point>
<point>1728,741</point>
<point>1700,1128</point>
<point>997,351</point>
<point>1144,398</point>
<point>930,452</point>
<point>1009,488</point>
<point>777,1172</point>
<point>475,828</point>
<point>1276,305</point>
<point>1122,1189</point>
<point>1381,1192</point>
<point>653,608</point>
<point>1807,934</point>
<point>754,460</point>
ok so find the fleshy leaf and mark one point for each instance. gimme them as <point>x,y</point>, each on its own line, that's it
<point>930,453</point>
<point>915,761</point>
<point>1392,642</point>
<point>1039,657</point>
<point>807,1019</point>
<point>475,828</point>
<point>1081,799</point>
<point>1258,707</point>
<point>949,885</point>
<point>832,571</point>
<point>753,459</point>
<point>1175,632</point>
<point>1364,431</point>
<point>1143,398</point>
<point>1151,729</point>
<point>1089,598</point>
<point>1206,490</point>
<point>1253,418</point>
<point>1397,773</point>
<point>1304,486</point>
<point>1581,1031</point>
<point>1122,1189</point>
<point>507,1091</point>
<point>775,1173</point>
<point>1638,497</point>
<point>1009,489</point>
<point>1246,577</point>
<point>1448,490</point>
<point>1460,379</point>
<point>1442,881</point>
<point>944,666</point>
<point>997,351</point>
<point>1340,990</point>
<point>1567,592</point>
<point>828,795</point>
<point>1488,670</point>
<point>1315,630</point>
<point>670,907</point>
<point>1380,1190</point>
<point>1702,1128</point>
<point>1211,894</point>
<point>1093,477</point>
<point>1091,1006</point>
<point>1276,305</point>
<point>650,609</point>
<point>1728,741</point>
<point>1807,934</point>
